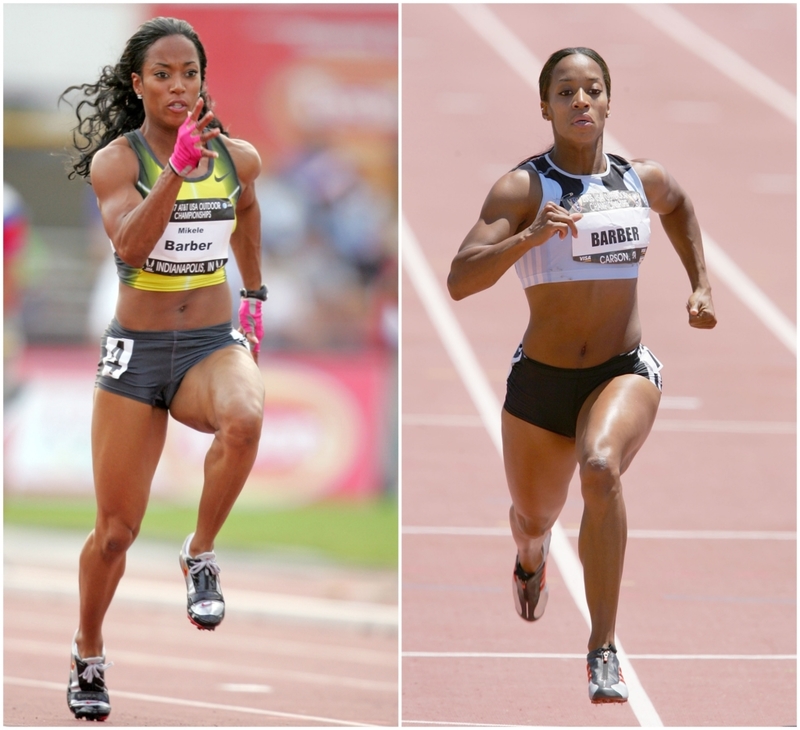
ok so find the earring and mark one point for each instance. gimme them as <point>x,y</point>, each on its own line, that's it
<point>138,96</point>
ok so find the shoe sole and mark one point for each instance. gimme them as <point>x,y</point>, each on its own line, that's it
<point>609,700</point>
<point>85,714</point>
<point>201,627</point>
<point>210,626</point>
<point>608,695</point>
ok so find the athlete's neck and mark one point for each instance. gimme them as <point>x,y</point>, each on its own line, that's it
<point>579,159</point>
<point>160,139</point>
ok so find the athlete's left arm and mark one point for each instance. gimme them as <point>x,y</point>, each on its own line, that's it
<point>678,218</point>
<point>246,239</point>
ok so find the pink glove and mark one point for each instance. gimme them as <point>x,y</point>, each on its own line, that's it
<point>186,156</point>
<point>250,320</point>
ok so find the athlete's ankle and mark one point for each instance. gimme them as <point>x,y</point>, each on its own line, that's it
<point>533,556</point>
<point>525,565</point>
<point>198,547</point>
<point>88,647</point>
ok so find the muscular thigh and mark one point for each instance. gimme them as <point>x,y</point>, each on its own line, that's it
<point>539,465</point>
<point>226,382</point>
<point>127,441</point>
<point>616,419</point>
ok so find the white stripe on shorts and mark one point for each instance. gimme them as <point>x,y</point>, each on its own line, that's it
<point>653,365</point>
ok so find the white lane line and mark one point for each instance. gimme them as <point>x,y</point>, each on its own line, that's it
<point>489,27</point>
<point>39,684</point>
<point>457,724</point>
<point>748,427</point>
<point>276,605</point>
<point>24,620</point>
<point>561,655</point>
<point>28,647</point>
<point>746,289</point>
<point>477,384</point>
<point>444,421</point>
<point>443,531</point>
<point>247,688</point>
<point>661,424</point>
<point>729,63</point>
<point>679,403</point>
<point>451,334</point>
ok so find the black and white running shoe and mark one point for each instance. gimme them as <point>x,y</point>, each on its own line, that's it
<point>204,602</point>
<point>530,589</point>
<point>87,695</point>
<point>606,683</point>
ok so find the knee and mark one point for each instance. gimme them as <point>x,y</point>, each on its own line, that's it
<point>600,477</point>
<point>530,526</point>
<point>113,536</point>
<point>241,426</point>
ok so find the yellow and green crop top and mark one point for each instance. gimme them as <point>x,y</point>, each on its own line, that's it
<point>193,250</point>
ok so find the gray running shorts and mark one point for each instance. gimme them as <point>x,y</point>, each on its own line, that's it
<point>150,366</point>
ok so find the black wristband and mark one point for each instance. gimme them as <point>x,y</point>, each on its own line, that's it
<point>255,293</point>
<point>172,167</point>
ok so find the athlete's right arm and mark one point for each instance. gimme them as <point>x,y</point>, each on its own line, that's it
<point>134,224</point>
<point>499,239</point>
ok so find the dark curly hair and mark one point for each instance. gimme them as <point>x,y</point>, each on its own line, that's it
<point>111,108</point>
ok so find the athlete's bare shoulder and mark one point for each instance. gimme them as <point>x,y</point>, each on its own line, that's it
<point>516,196</point>
<point>113,164</point>
<point>245,158</point>
<point>649,170</point>
<point>661,189</point>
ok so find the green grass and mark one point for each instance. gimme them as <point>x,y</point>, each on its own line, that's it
<point>360,533</point>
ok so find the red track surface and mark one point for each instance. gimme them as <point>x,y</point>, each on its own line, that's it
<point>256,669</point>
<point>724,602</point>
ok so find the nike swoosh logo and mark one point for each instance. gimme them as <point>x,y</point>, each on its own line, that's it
<point>220,179</point>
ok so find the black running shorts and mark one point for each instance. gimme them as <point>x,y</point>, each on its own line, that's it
<point>150,366</point>
<point>552,398</point>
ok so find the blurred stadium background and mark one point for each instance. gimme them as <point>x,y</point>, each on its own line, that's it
<point>314,88</point>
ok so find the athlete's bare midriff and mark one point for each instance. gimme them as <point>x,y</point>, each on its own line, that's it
<point>579,324</point>
<point>183,310</point>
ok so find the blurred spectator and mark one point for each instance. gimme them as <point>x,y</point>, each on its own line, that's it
<point>15,238</point>
<point>326,237</point>
<point>343,209</point>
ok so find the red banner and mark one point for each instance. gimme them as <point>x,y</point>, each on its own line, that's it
<point>287,77</point>
<point>327,430</point>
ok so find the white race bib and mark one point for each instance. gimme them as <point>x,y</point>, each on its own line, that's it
<point>196,238</point>
<point>614,229</point>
